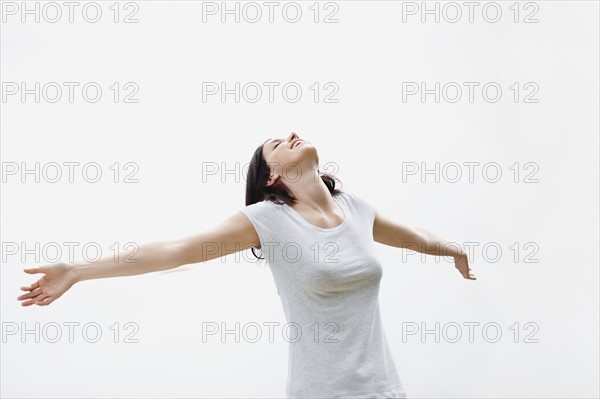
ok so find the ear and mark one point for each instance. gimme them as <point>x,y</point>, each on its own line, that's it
<point>272,179</point>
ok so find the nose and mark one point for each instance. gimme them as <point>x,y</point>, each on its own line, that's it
<point>292,137</point>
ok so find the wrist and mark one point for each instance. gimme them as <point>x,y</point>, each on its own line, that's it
<point>74,273</point>
<point>462,253</point>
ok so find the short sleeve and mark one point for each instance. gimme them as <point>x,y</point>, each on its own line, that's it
<point>363,207</point>
<point>260,215</point>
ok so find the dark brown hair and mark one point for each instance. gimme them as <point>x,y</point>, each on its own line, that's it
<point>257,190</point>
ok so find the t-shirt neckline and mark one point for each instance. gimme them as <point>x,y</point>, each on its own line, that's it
<point>296,215</point>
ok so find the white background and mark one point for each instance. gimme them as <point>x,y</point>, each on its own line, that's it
<point>368,135</point>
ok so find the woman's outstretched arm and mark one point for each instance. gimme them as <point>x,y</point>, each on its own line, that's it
<point>235,234</point>
<point>420,240</point>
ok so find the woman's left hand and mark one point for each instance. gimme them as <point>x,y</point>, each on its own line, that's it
<point>461,262</point>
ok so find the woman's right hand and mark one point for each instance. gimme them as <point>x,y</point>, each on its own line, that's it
<point>57,279</point>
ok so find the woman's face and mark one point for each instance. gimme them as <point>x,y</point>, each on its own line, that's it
<point>289,157</point>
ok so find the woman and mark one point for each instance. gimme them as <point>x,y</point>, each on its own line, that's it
<point>319,243</point>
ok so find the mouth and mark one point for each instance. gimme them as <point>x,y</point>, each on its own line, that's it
<point>296,143</point>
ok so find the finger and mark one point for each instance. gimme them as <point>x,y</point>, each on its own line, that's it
<point>41,300</point>
<point>45,302</point>
<point>34,300</point>
<point>32,294</point>
<point>469,276</point>
<point>32,270</point>
<point>27,289</point>
<point>31,287</point>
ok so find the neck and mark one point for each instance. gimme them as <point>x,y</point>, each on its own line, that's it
<point>310,191</point>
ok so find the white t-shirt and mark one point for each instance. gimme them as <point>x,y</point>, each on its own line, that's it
<point>328,282</point>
